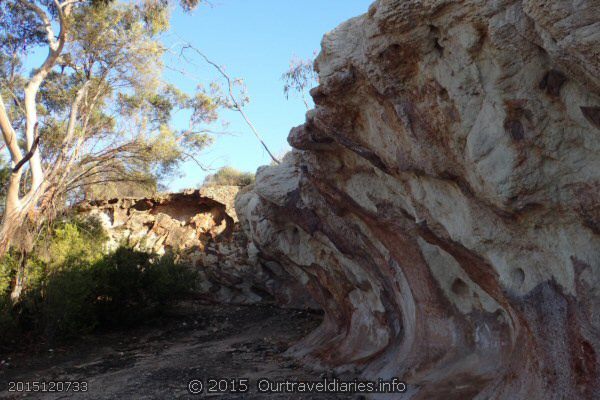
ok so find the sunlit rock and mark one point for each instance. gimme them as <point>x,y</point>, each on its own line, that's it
<point>442,203</point>
<point>200,228</point>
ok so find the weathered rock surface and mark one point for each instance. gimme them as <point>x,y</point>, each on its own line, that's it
<point>442,203</point>
<point>200,227</point>
<point>223,194</point>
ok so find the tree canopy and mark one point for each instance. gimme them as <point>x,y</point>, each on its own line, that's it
<point>96,113</point>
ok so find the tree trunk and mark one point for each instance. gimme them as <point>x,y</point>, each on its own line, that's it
<point>13,213</point>
<point>16,213</point>
<point>15,294</point>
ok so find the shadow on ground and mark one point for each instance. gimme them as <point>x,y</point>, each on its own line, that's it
<point>158,360</point>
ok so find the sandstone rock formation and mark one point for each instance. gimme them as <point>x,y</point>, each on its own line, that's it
<point>442,201</point>
<point>224,194</point>
<point>200,227</point>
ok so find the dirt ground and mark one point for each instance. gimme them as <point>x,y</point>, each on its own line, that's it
<point>157,361</point>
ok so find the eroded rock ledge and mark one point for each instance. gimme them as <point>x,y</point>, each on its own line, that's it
<point>200,227</point>
<point>442,202</point>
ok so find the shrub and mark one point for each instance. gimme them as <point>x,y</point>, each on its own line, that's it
<point>72,241</point>
<point>9,326</point>
<point>8,267</point>
<point>73,289</point>
<point>229,176</point>
<point>133,286</point>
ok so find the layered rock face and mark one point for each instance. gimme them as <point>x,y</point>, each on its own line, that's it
<point>442,201</point>
<point>200,227</point>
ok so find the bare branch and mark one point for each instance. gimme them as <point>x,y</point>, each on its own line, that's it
<point>195,160</point>
<point>30,153</point>
<point>74,115</point>
<point>237,105</point>
<point>10,137</point>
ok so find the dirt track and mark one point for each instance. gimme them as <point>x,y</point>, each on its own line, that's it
<point>158,360</point>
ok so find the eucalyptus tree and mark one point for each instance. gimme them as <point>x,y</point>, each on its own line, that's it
<point>94,111</point>
<point>299,78</point>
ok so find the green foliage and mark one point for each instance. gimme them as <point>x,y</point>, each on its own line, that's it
<point>72,288</point>
<point>113,56</point>
<point>5,172</point>
<point>132,286</point>
<point>9,327</point>
<point>121,289</point>
<point>18,31</point>
<point>64,305</point>
<point>142,186</point>
<point>8,266</point>
<point>300,77</point>
<point>76,240</point>
<point>229,176</point>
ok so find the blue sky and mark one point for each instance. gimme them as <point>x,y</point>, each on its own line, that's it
<point>254,40</point>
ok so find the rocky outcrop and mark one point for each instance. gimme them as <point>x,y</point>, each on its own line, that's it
<point>224,194</point>
<point>442,201</point>
<point>200,228</point>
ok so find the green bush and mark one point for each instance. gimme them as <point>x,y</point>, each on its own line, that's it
<point>71,242</point>
<point>65,306</point>
<point>229,176</point>
<point>133,286</point>
<point>9,326</point>
<point>72,288</point>
<point>8,267</point>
